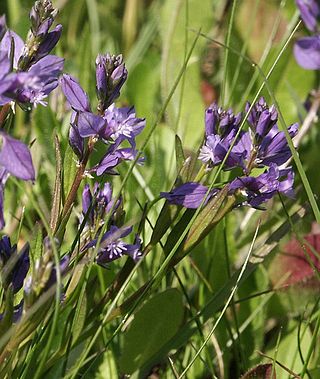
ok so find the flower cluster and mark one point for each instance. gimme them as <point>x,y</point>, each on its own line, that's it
<point>27,73</point>
<point>97,208</point>
<point>307,49</point>
<point>262,146</point>
<point>111,125</point>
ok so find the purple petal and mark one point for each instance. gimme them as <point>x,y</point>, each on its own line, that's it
<point>75,95</point>
<point>6,44</point>
<point>20,269</point>
<point>49,42</point>
<point>49,66</point>
<point>113,158</point>
<point>89,124</point>
<point>189,195</point>
<point>76,141</point>
<point>307,52</point>
<point>86,200</point>
<point>16,158</point>
<point>3,26</point>
<point>310,11</point>
<point>4,63</point>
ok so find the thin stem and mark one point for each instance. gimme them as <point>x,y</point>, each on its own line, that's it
<point>78,178</point>
<point>4,113</point>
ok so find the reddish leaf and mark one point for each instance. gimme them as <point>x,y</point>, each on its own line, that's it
<point>297,263</point>
<point>260,372</point>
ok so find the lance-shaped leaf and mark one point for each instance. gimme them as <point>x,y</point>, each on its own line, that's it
<point>56,203</point>
<point>265,371</point>
<point>208,218</point>
<point>15,157</point>
<point>167,216</point>
<point>153,325</point>
<point>180,158</point>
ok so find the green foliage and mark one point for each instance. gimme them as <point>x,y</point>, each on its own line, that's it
<point>194,302</point>
<point>153,325</point>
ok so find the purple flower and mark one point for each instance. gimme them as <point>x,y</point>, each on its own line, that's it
<point>75,140</point>
<point>189,195</point>
<point>35,73</point>
<point>310,13</point>
<point>121,124</point>
<point>14,265</point>
<point>274,147</point>
<point>76,96</point>
<point>113,247</point>
<point>264,144</point>
<point>102,205</point>
<point>307,49</point>
<point>112,127</point>
<point>112,158</point>
<point>258,190</point>
<point>261,119</point>
<point>218,121</point>
<point>15,157</point>
<point>221,128</point>
<point>111,74</point>
<point>307,52</point>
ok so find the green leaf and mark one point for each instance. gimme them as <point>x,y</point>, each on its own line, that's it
<point>36,246</point>
<point>80,318</point>
<point>69,170</point>
<point>153,325</point>
<point>108,368</point>
<point>45,123</point>
<point>174,28</point>
<point>56,203</point>
<point>180,158</point>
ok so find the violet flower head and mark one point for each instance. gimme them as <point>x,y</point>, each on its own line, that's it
<point>15,159</point>
<point>261,119</point>
<point>221,128</point>
<point>307,52</point>
<point>101,203</point>
<point>258,190</point>
<point>307,49</point>
<point>265,144</point>
<point>310,13</point>
<point>33,73</point>
<point>112,127</point>
<point>42,15</point>
<point>111,74</point>
<point>113,247</point>
<point>122,124</point>
<point>14,265</point>
<point>40,40</point>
